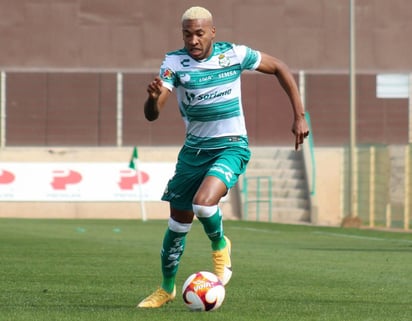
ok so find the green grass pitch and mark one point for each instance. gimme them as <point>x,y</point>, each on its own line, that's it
<point>99,269</point>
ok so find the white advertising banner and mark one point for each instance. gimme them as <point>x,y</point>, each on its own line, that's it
<point>83,182</point>
<point>392,85</point>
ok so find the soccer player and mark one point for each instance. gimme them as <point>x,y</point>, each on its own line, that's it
<point>206,77</point>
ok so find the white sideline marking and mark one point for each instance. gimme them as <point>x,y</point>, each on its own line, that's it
<point>361,237</point>
<point>251,229</point>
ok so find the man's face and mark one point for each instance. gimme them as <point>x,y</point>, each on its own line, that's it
<point>198,36</point>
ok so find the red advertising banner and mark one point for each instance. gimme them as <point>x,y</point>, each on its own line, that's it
<point>83,181</point>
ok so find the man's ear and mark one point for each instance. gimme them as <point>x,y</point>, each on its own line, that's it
<point>213,32</point>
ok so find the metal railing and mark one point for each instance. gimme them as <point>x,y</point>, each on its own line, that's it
<point>262,195</point>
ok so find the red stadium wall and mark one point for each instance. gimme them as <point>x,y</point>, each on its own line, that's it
<point>79,109</point>
<point>135,34</point>
<point>61,59</point>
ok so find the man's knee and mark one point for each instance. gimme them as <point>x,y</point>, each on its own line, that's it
<point>204,211</point>
<point>181,216</point>
<point>179,227</point>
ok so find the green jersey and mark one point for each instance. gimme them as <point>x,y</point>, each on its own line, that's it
<point>209,93</point>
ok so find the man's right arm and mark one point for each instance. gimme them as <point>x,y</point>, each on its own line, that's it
<point>151,109</point>
<point>156,100</point>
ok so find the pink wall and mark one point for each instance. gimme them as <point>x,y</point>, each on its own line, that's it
<point>79,109</point>
<point>135,34</point>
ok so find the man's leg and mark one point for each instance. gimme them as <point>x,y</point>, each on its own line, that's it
<point>172,250</point>
<point>207,211</point>
<point>211,218</point>
<point>220,177</point>
<point>174,243</point>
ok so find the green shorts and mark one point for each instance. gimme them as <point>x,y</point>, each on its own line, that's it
<point>193,165</point>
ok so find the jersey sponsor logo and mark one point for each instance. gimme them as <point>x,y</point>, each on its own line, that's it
<point>189,96</point>
<point>227,74</point>
<point>206,78</point>
<point>196,80</point>
<point>184,78</point>
<point>221,75</point>
<point>215,94</point>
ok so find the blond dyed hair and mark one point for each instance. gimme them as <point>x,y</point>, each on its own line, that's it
<point>194,13</point>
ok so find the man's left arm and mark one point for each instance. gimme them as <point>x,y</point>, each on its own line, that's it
<point>272,65</point>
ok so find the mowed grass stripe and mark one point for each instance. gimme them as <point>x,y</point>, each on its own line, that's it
<point>100,269</point>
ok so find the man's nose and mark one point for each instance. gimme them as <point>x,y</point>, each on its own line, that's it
<point>193,40</point>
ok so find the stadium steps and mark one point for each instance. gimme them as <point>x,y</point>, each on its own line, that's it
<point>289,195</point>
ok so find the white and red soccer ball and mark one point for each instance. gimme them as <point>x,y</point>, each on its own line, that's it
<point>203,291</point>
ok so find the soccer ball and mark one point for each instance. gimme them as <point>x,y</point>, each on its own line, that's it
<point>203,291</point>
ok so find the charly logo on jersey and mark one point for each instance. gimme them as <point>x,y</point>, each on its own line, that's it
<point>223,60</point>
<point>185,62</point>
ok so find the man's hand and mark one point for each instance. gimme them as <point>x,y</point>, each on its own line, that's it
<point>301,130</point>
<point>156,100</point>
<point>151,108</point>
<point>154,89</point>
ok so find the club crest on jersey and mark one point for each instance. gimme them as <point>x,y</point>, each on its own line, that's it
<point>223,60</point>
<point>167,74</point>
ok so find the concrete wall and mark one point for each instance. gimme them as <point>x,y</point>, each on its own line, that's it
<point>329,185</point>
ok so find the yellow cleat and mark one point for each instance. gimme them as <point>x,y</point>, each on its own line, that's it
<point>223,263</point>
<point>157,299</point>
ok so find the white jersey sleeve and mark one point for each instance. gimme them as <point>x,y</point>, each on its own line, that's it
<point>250,59</point>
